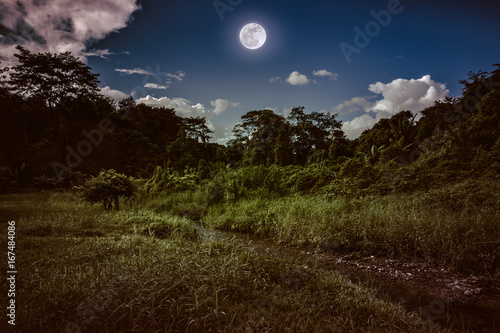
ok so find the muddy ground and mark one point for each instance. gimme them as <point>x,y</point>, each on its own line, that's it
<point>461,303</point>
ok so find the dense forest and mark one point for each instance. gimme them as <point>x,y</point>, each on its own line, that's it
<point>56,128</point>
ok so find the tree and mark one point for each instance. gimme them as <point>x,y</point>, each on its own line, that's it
<point>312,131</point>
<point>435,118</point>
<point>485,125</point>
<point>107,188</point>
<point>56,79</point>
<point>259,133</point>
<point>340,148</point>
<point>196,128</point>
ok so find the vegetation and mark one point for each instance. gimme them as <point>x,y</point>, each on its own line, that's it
<point>92,270</point>
<point>107,188</point>
<point>456,226</point>
<point>423,188</point>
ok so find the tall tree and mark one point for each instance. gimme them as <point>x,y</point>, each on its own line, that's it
<point>312,131</point>
<point>56,79</point>
<point>259,132</point>
<point>196,128</point>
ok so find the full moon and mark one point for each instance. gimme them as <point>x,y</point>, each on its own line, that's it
<point>252,36</point>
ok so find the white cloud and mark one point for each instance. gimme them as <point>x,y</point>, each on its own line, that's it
<point>59,25</point>
<point>163,79</point>
<point>133,71</point>
<point>149,71</point>
<point>186,108</point>
<point>221,134</point>
<point>297,79</point>
<point>400,94</point>
<point>355,127</point>
<point>101,53</point>
<point>325,73</point>
<point>98,53</point>
<point>274,79</point>
<point>287,111</point>
<point>221,105</point>
<point>116,95</point>
<point>155,86</point>
<point>182,106</point>
<point>403,94</point>
<point>355,104</point>
<point>179,76</point>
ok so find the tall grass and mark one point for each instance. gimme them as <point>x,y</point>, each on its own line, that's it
<point>455,225</point>
<point>125,280</point>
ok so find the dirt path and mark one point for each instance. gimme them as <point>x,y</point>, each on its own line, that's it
<point>458,302</point>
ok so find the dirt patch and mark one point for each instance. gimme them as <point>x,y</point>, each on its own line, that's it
<point>457,302</point>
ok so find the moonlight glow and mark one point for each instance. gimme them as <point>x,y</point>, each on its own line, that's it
<point>252,36</point>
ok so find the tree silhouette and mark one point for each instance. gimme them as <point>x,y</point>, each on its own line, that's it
<point>56,79</point>
<point>312,131</point>
<point>196,128</point>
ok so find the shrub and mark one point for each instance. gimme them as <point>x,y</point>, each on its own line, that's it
<point>107,188</point>
<point>171,181</point>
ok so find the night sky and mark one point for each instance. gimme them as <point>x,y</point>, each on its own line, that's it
<point>186,54</point>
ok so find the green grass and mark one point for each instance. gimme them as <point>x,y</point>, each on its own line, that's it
<point>85,269</point>
<point>456,225</point>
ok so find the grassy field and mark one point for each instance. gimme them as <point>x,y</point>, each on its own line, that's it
<point>456,225</point>
<point>83,269</point>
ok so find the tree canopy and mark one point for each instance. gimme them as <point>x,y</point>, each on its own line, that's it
<point>52,117</point>
<point>56,79</point>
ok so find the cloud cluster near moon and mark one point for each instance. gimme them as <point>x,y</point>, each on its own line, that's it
<point>297,79</point>
<point>253,36</point>
<point>400,94</point>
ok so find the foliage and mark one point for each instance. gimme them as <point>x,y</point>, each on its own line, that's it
<point>107,188</point>
<point>172,227</point>
<point>485,124</point>
<point>196,128</point>
<point>168,180</point>
<point>57,79</point>
<point>142,137</point>
<point>268,138</point>
<point>116,279</point>
<point>456,225</point>
<point>51,108</point>
<point>312,131</point>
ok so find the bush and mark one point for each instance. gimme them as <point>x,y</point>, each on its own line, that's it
<point>171,181</point>
<point>107,188</point>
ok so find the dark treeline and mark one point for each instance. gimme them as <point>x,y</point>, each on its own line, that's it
<point>53,122</point>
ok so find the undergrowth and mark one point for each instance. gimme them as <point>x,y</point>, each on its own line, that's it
<point>85,269</point>
<point>456,225</point>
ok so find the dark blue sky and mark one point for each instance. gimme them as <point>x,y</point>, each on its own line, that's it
<point>185,48</point>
